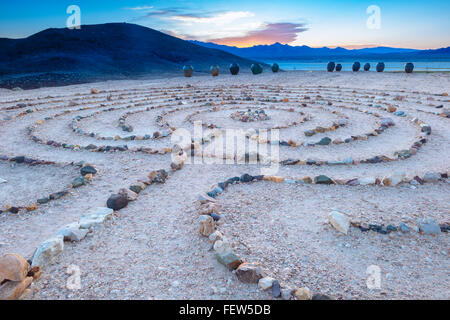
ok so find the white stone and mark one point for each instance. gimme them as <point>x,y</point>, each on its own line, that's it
<point>339,221</point>
<point>266,283</point>
<point>431,177</point>
<point>179,160</point>
<point>204,198</point>
<point>429,226</point>
<point>73,232</point>
<point>286,293</point>
<point>95,217</point>
<point>215,236</point>
<point>397,178</point>
<point>45,254</point>
<point>222,246</point>
<point>3,181</point>
<point>367,181</point>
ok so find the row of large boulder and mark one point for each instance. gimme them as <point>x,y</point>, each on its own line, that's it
<point>331,66</point>
<point>234,68</point>
<point>256,68</point>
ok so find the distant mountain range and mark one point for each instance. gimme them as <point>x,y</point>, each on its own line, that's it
<point>280,51</point>
<point>99,52</point>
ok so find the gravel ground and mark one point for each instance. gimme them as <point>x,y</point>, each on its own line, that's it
<point>290,235</point>
<point>23,181</point>
<point>152,250</point>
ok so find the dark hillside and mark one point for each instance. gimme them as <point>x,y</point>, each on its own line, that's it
<point>106,51</point>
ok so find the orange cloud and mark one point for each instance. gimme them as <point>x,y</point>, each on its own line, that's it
<point>274,32</point>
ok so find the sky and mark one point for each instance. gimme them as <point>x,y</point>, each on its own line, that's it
<point>344,23</point>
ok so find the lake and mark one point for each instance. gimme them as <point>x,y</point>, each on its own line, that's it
<point>347,65</point>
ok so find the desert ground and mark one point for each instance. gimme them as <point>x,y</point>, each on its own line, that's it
<point>152,248</point>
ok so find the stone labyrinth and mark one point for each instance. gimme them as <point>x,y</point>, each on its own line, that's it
<point>356,167</point>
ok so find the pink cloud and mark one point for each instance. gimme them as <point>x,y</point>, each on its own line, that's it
<point>273,32</point>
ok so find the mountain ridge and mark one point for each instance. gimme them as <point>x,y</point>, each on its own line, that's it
<point>285,51</point>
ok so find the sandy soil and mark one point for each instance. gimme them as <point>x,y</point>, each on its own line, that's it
<point>24,181</point>
<point>290,233</point>
<point>152,250</point>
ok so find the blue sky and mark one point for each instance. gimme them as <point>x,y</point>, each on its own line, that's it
<point>409,24</point>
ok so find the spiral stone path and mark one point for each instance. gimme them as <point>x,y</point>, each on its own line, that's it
<point>374,147</point>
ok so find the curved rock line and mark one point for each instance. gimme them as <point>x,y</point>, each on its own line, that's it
<point>87,172</point>
<point>250,271</point>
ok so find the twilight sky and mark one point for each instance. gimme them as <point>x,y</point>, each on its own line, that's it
<point>407,24</point>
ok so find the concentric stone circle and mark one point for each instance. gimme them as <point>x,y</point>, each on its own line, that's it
<point>76,125</point>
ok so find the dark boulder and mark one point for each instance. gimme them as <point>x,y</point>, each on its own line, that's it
<point>234,69</point>
<point>380,66</point>
<point>275,67</point>
<point>323,180</point>
<point>324,141</point>
<point>356,66</point>
<point>14,210</point>
<point>117,201</point>
<point>215,70</point>
<point>409,67</point>
<point>188,71</point>
<point>88,170</point>
<point>246,178</point>
<point>58,195</point>
<point>20,159</point>
<point>331,66</point>
<point>256,68</point>
<point>78,182</point>
<point>276,289</point>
